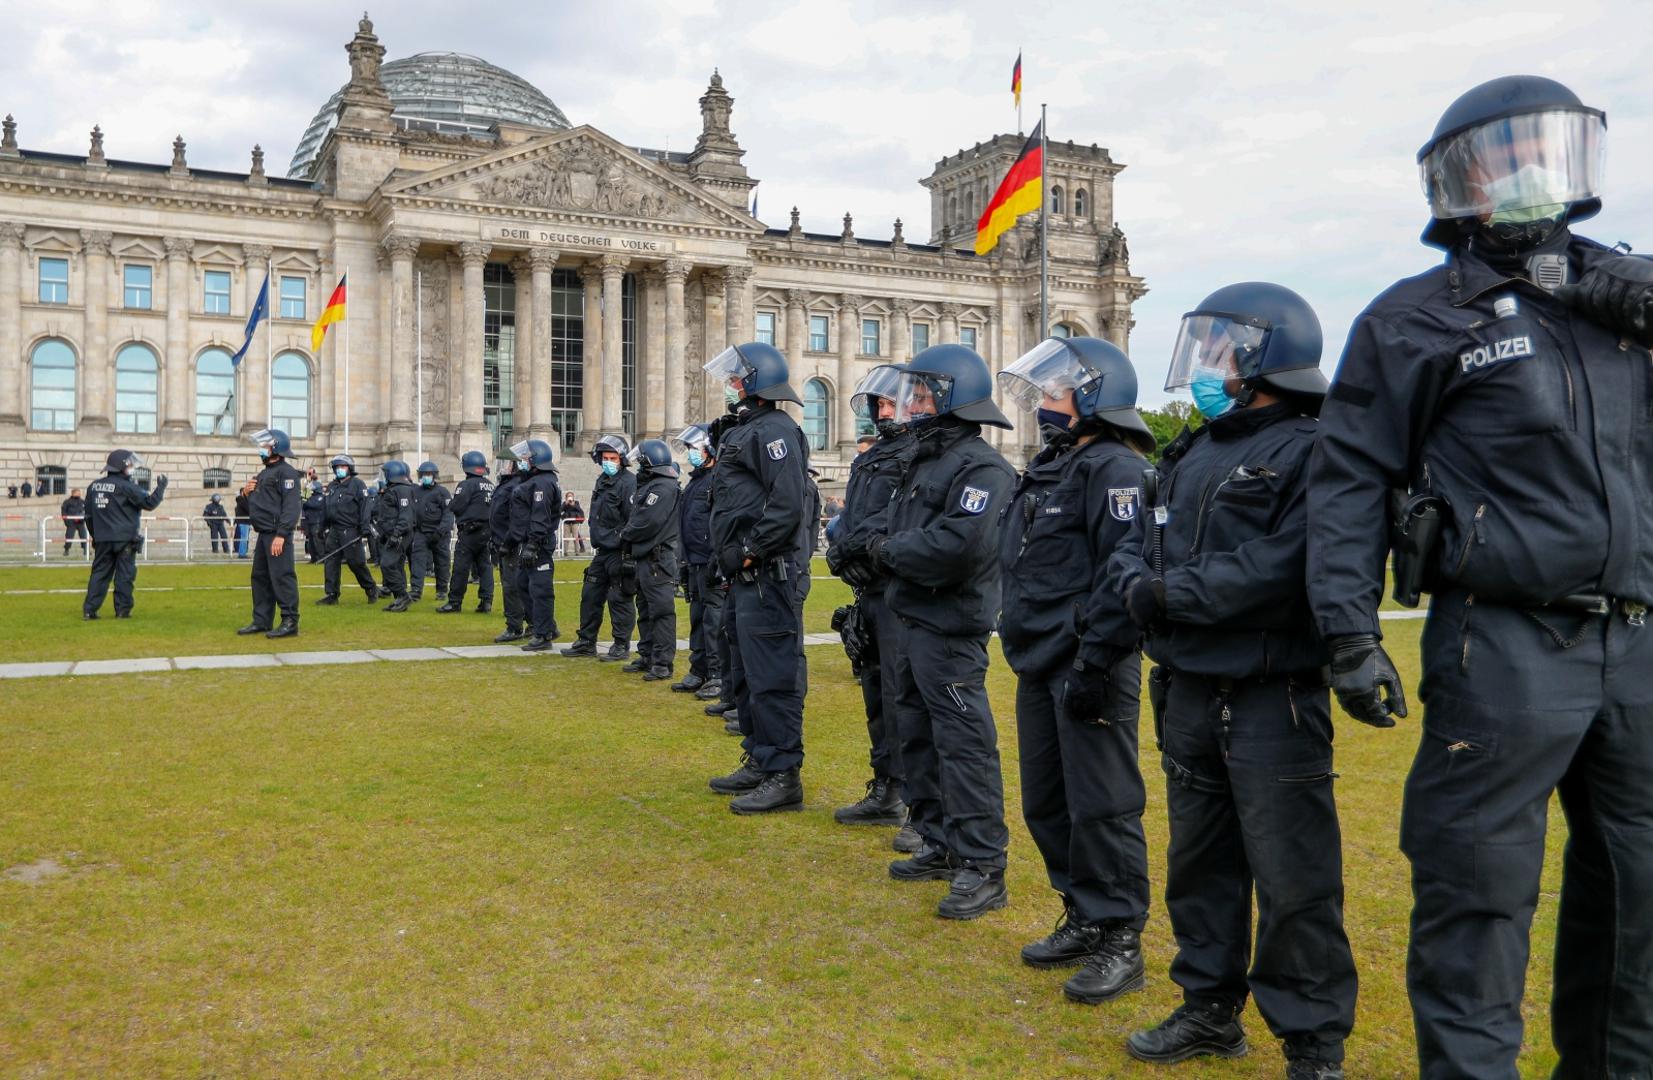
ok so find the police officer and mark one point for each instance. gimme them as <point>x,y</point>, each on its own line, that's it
<point>216,518</point>
<point>72,512</point>
<point>724,702</point>
<point>759,499</point>
<point>701,584</point>
<point>347,517</point>
<point>434,525</point>
<point>511,474</point>
<point>1243,716</point>
<point>610,506</point>
<point>313,513</point>
<point>940,553</point>
<point>873,477</point>
<point>470,510</point>
<point>648,545</point>
<point>1523,413</point>
<point>1073,648</point>
<point>536,508</point>
<point>113,511</point>
<point>394,521</point>
<point>273,508</point>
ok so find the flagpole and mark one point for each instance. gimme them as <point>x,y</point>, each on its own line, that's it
<point>419,359</point>
<point>269,349</point>
<point>1044,231</point>
<point>347,359</point>
<point>1018,90</point>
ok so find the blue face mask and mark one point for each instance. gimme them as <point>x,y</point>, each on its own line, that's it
<point>341,472</point>
<point>427,481</point>
<point>264,452</point>
<point>696,459</point>
<point>1210,398</point>
<point>731,396</point>
<point>611,468</point>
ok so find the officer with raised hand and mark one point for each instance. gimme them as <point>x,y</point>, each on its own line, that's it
<point>536,508</point>
<point>434,526</point>
<point>873,477</point>
<point>698,572</point>
<point>347,517</point>
<point>472,502</point>
<point>511,473</point>
<point>603,584</point>
<point>114,509</point>
<point>394,522</point>
<point>759,498</point>
<point>1073,648</point>
<point>649,543</point>
<point>1519,418</point>
<point>274,506</point>
<point>940,553</point>
<point>1242,713</point>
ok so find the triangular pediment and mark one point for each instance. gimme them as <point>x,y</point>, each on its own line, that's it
<point>580,171</point>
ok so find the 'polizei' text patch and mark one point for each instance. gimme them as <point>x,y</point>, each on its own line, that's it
<point>1510,348</point>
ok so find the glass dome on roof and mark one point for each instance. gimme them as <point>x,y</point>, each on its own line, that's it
<point>444,92</point>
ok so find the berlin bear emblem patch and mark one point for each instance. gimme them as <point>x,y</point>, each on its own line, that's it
<point>777,449</point>
<point>653,498</point>
<point>973,500</point>
<point>1122,503</point>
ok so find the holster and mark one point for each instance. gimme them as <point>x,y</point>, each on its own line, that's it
<point>1159,689</point>
<point>1415,523</point>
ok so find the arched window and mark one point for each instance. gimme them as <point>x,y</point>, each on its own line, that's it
<point>1081,203</point>
<point>290,395</point>
<point>52,386</point>
<point>1061,330</point>
<point>952,210</point>
<point>815,414</point>
<point>1056,199</point>
<point>214,393</point>
<point>137,389</point>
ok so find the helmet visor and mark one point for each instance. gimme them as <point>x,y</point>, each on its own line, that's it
<point>1049,369</point>
<point>520,450</point>
<point>884,382</point>
<point>728,364</point>
<point>1538,161</point>
<point>694,436</point>
<point>262,437</point>
<point>134,459</point>
<point>1211,346</point>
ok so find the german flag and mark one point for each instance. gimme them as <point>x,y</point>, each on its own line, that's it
<point>1016,80</point>
<point>332,313</point>
<point>1021,192</point>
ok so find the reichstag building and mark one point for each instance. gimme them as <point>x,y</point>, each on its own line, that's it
<point>510,274</point>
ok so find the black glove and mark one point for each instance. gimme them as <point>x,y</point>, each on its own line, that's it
<point>1145,601</point>
<point>1616,294</point>
<point>1361,671</point>
<point>859,574</point>
<point>729,560</point>
<point>1085,691</point>
<point>877,556</point>
<point>161,482</point>
<point>836,560</point>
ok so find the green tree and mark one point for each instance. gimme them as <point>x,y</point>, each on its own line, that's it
<point>1167,422</point>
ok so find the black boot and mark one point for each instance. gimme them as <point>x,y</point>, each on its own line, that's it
<point>617,651</point>
<point>657,673</point>
<point>881,805</point>
<point>637,664</point>
<point>731,723</point>
<point>779,791</point>
<point>710,690</point>
<point>327,601</point>
<point>484,607</point>
<point>250,628</point>
<point>512,633</point>
<point>907,839</point>
<point>372,594</point>
<point>744,779</point>
<point>1069,944</point>
<point>976,891</point>
<point>288,627</point>
<point>1114,968</point>
<point>1212,1028</point>
<point>581,648</point>
<point>537,644</point>
<point>718,708</point>
<point>401,603</point>
<point>688,684</point>
<point>1306,1069</point>
<point>929,864</point>
<point>447,609</point>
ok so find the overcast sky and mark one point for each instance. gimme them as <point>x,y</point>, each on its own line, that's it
<point>1263,140</point>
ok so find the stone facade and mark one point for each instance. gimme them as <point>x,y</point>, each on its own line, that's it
<point>532,283</point>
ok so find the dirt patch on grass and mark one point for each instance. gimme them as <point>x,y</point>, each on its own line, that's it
<point>35,873</point>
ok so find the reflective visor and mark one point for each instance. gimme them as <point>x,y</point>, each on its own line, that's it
<point>728,364</point>
<point>1536,160</point>
<point>1049,369</point>
<point>135,459</point>
<point>692,436</point>
<point>520,450</point>
<point>1212,346</point>
<point>885,381</point>
<point>261,437</point>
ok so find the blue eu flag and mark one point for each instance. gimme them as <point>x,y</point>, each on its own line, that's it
<point>261,309</point>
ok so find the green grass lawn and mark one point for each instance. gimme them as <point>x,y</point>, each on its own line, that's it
<point>513,868</point>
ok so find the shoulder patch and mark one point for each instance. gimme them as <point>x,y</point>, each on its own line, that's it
<point>401,502</point>
<point>539,496</point>
<point>974,500</point>
<point>1122,503</point>
<point>777,449</point>
<point>654,497</point>
<point>288,484</point>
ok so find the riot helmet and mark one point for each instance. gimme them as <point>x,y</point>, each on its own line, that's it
<point>395,471</point>
<point>122,461</point>
<point>611,444</point>
<point>1245,337</point>
<point>1096,374</point>
<point>475,462</point>
<point>952,380</point>
<point>881,398</point>
<point>696,444</point>
<point>655,455</point>
<point>760,371</point>
<point>271,442</point>
<point>427,473</point>
<point>343,465</point>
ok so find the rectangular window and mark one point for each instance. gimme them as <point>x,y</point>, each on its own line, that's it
<point>567,355</point>
<point>628,353</point>
<point>215,478</point>
<point>967,337</point>
<point>766,327</point>
<point>217,284</point>
<point>921,337</point>
<point>54,281</point>
<point>51,480</point>
<point>499,351</point>
<point>817,333</point>
<point>869,337</point>
<point>292,298</point>
<point>139,282</point>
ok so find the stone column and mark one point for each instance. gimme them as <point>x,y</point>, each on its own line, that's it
<point>541,262</point>
<point>473,255</point>
<point>175,365</point>
<point>94,400</point>
<point>737,326</point>
<point>797,326</point>
<point>13,369</point>
<point>614,272</point>
<point>676,388</point>
<point>950,323</point>
<point>253,375</point>
<point>717,333</point>
<point>651,368</point>
<point>382,348</point>
<point>404,368</point>
<point>591,393</point>
<point>849,340</point>
<point>901,330</point>
<point>522,381</point>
